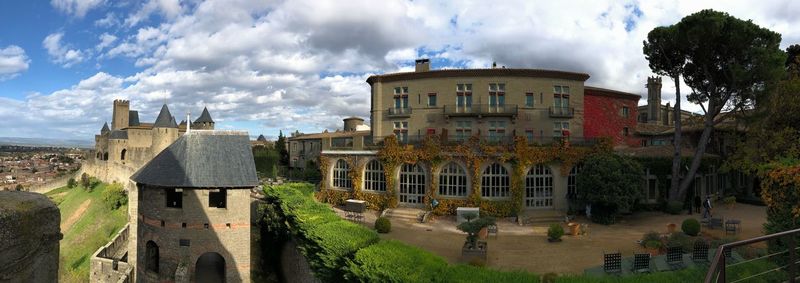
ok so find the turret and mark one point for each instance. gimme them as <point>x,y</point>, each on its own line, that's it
<point>204,122</point>
<point>165,131</point>
<point>653,98</point>
<point>121,115</point>
<point>105,129</point>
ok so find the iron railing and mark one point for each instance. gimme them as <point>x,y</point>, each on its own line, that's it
<point>454,110</point>
<point>399,112</point>
<point>716,271</point>
<point>562,112</point>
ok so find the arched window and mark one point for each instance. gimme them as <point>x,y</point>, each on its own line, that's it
<point>105,155</point>
<point>453,180</point>
<point>412,184</point>
<point>374,179</point>
<point>572,182</point>
<point>495,181</point>
<point>340,175</point>
<point>122,154</point>
<point>151,256</point>
<point>99,155</point>
<point>539,187</point>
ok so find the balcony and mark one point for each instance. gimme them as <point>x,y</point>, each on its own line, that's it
<point>399,112</point>
<point>480,110</point>
<point>562,112</point>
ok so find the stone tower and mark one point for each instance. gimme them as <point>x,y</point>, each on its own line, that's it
<point>204,122</point>
<point>653,98</point>
<point>120,119</point>
<point>194,210</point>
<point>165,131</point>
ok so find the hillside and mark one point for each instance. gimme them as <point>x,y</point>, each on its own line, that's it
<point>87,225</point>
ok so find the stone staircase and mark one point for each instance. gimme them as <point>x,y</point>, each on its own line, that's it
<point>413,215</point>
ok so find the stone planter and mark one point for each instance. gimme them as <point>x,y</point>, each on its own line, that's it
<point>470,254</point>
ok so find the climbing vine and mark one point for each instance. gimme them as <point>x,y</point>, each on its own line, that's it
<point>474,153</point>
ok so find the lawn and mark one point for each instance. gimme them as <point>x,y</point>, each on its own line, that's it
<point>93,229</point>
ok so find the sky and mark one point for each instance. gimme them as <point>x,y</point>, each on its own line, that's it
<point>265,66</point>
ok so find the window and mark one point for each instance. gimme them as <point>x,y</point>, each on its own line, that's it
<point>497,96</point>
<point>217,198</point>
<point>401,131</point>
<point>464,97</point>
<point>529,135</point>
<point>560,129</point>
<point>495,181</point>
<point>122,154</point>
<point>529,99</point>
<point>342,142</point>
<point>453,180</point>
<point>625,112</point>
<point>625,131</point>
<point>432,99</point>
<point>374,178</point>
<point>560,97</point>
<point>151,255</point>
<point>652,190</point>
<point>412,184</point>
<point>401,97</point>
<point>175,198</point>
<point>463,130</point>
<point>572,182</point>
<point>340,175</point>
<point>184,242</point>
<point>497,130</point>
<point>539,187</point>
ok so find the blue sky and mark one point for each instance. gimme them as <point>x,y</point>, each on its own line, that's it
<point>265,66</point>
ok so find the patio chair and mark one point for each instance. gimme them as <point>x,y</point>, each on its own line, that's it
<point>715,222</point>
<point>700,251</point>
<point>612,263</point>
<point>641,262</point>
<point>675,257</point>
<point>492,229</point>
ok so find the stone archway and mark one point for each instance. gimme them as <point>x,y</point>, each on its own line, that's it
<point>210,267</point>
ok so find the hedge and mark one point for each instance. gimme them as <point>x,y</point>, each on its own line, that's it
<point>393,261</point>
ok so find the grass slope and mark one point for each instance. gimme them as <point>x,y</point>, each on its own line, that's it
<point>93,229</point>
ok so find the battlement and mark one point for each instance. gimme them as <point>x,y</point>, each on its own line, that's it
<point>653,80</point>
<point>121,102</point>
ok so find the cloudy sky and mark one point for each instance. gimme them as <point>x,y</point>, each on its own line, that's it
<point>265,66</point>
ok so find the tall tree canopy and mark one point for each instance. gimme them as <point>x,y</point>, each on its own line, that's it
<point>729,64</point>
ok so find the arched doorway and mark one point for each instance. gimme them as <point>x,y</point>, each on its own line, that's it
<point>412,184</point>
<point>122,154</point>
<point>210,268</point>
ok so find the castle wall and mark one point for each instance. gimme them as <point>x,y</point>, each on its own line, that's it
<point>225,231</point>
<point>140,137</point>
<point>29,236</point>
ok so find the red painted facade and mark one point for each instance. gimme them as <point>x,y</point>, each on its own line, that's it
<point>603,116</point>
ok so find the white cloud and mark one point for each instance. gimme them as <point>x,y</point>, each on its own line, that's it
<point>13,61</point>
<point>302,64</point>
<point>62,54</point>
<point>76,8</point>
<point>110,20</point>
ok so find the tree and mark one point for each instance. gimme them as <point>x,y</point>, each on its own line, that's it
<point>85,182</point>
<point>71,183</point>
<point>793,60</point>
<point>280,145</point>
<point>610,183</point>
<point>730,63</point>
<point>664,53</point>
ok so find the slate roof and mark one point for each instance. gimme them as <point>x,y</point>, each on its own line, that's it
<point>118,135</point>
<point>105,128</point>
<point>164,119</point>
<point>205,117</point>
<point>133,118</point>
<point>261,138</point>
<point>203,159</point>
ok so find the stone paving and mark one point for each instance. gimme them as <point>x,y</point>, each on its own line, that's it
<point>526,247</point>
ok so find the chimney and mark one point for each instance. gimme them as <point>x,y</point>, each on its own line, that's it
<point>423,65</point>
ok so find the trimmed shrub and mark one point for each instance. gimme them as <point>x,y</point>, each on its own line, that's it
<point>674,207</point>
<point>650,236</point>
<point>652,244</point>
<point>679,239</point>
<point>555,231</point>
<point>467,273</point>
<point>383,225</point>
<point>691,227</point>
<point>114,196</point>
<point>393,261</point>
<point>71,183</point>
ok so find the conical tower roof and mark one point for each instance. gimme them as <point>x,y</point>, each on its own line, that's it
<point>164,119</point>
<point>105,128</point>
<point>205,117</point>
<point>261,138</point>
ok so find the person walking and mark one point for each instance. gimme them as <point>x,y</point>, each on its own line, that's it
<point>707,208</point>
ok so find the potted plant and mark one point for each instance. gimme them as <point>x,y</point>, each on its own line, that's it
<point>555,232</point>
<point>671,228</point>
<point>653,247</point>
<point>730,201</point>
<point>474,249</point>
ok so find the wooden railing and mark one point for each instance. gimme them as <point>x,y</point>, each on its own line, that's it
<point>716,271</point>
